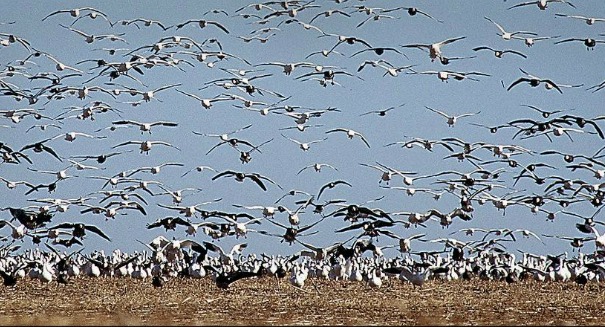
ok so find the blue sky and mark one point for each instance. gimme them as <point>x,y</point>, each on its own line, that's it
<point>566,63</point>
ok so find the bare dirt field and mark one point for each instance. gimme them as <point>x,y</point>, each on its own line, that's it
<point>121,301</point>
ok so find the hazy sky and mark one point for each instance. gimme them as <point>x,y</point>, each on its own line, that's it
<point>568,63</point>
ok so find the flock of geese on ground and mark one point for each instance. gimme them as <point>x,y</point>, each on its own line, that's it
<point>108,96</point>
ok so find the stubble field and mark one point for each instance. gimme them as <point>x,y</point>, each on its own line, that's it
<point>112,301</point>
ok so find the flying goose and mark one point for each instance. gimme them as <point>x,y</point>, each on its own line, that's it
<point>224,279</point>
<point>329,13</point>
<point>226,258</point>
<point>590,43</point>
<point>191,210</point>
<point>542,4</point>
<point>202,23</point>
<point>381,112</point>
<point>79,229</point>
<point>305,146</point>
<point>39,147</point>
<point>535,81</point>
<point>145,146</point>
<point>317,167</point>
<point>444,75</point>
<point>240,177</point>
<point>530,41</point>
<point>451,120</point>
<point>145,21</point>
<point>434,48</point>
<point>499,53</point>
<point>350,134</point>
<point>509,35</point>
<point>145,127</point>
<point>331,185</point>
<point>291,233</point>
<point>90,38</point>
<point>288,68</point>
<point>375,17</point>
<point>76,12</point>
<point>587,20</point>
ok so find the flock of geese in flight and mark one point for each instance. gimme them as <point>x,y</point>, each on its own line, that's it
<point>54,101</point>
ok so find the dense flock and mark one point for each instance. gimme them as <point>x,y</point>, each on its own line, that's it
<point>347,140</point>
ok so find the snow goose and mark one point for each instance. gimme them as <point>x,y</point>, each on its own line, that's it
<point>241,229</point>
<point>350,134</point>
<point>411,191</point>
<point>17,232</point>
<point>188,211</point>
<point>508,35</point>
<point>306,26</point>
<point>530,41</point>
<point>102,158</point>
<point>499,53</point>
<point>146,22</point>
<point>597,173</point>
<point>290,11</point>
<point>145,127</point>
<point>199,169</point>
<point>154,169</point>
<point>268,212</point>
<point>11,38</point>
<point>177,195</point>
<point>256,37</point>
<point>305,146</point>
<point>451,120</point>
<point>79,230</point>
<point>203,23</point>
<point>226,258</point>
<point>329,13</point>
<point>59,66</point>
<point>427,144</point>
<point>39,147</point>
<point>60,174</point>
<point>388,67</point>
<point>375,17</point>
<point>542,4</point>
<point>169,223</point>
<point>292,193</point>
<point>534,81</point>
<point>381,112</point>
<point>434,48</point>
<point>298,275</point>
<point>240,177</point>
<point>224,279</point>
<point>386,173</point>
<point>13,184</point>
<point>331,185</point>
<point>416,278</point>
<point>76,12</point>
<point>292,232</point>
<point>206,103</point>
<point>587,20</point>
<point>145,146</point>
<point>320,253</point>
<point>288,68</point>
<point>412,11</point>
<point>588,42</point>
<point>405,243</point>
<point>444,75</point>
<point>90,38</point>
<point>317,167</point>
<point>575,242</point>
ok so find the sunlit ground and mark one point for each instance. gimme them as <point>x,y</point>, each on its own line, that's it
<point>262,302</point>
